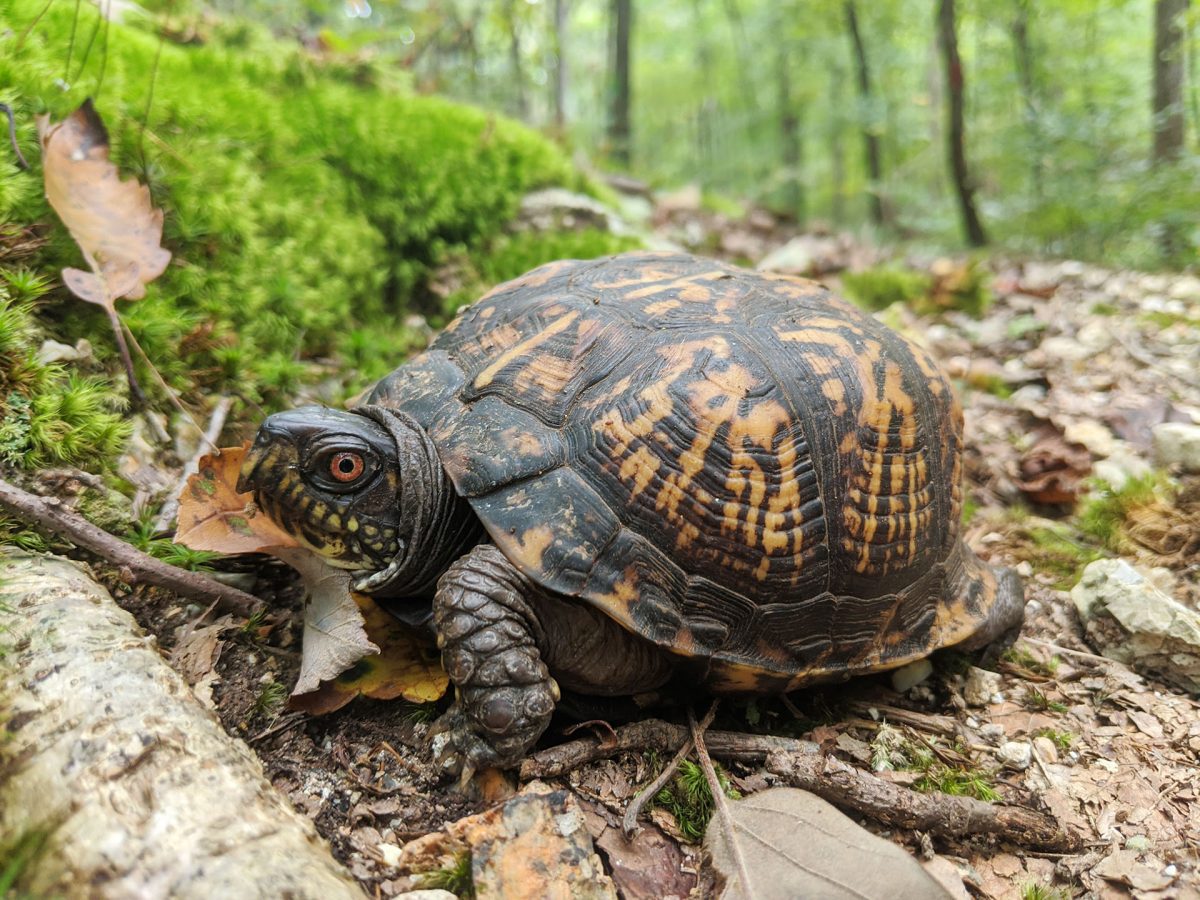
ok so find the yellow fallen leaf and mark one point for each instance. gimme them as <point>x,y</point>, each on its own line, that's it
<point>406,667</point>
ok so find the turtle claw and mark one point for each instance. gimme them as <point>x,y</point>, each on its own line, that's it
<point>460,750</point>
<point>372,581</point>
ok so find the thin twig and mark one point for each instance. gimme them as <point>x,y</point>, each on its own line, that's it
<point>287,722</point>
<point>162,383</point>
<point>31,26</point>
<point>718,793</point>
<point>12,136</point>
<point>50,513</point>
<point>106,12</point>
<point>1067,650</point>
<point>629,824</point>
<point>135,389</point>
<point>655,734</point>
<point>207,443</point>
<point>71,44</point>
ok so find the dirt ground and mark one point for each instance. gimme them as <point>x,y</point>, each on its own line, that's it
<point>1064,374</point>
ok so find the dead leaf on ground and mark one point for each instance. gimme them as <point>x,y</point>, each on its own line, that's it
<point>1053,469</point>
<point>214,516</point>
<point>405,667</point>
<point>113,221</point>
<point>334,634</point>
<point>796,845</point>
<point>197,652</point>
<point>648,867</point>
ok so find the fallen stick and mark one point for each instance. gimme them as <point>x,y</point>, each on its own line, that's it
<point>50,513</point>
<point>207,444</point>
<point>655,734</point>
<point>939,814</point>
<point>130,784</point>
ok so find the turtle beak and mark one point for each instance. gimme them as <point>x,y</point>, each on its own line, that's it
<point>278,438</point>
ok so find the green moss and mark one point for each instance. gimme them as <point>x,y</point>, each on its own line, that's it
<point>1022,657</point>
<point>455,878</point>
<point>304,201</point>
<point>957,783</point>
<point>689,799</point>
<point>1036,701</point>
<point>271,698</point>
<point>1056,551</point>
<point>1061,739</point>
<point>878,288</point>
<point>1106,510</point>
<point>17,856</point>
<point>1034,891</point>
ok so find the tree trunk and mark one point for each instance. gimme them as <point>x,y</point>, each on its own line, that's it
<point>560,65</point>
<point>116,781</point>
<point>619,134</point>
<point>1168,79</point>
<point>791,138</point>
<point>837,148</point>
<point>514,61</point>
<point>972,226</point>
<point>1023,53</point>
<point>879,212</point>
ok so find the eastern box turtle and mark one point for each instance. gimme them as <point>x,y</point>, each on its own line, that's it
<point>606,474</point>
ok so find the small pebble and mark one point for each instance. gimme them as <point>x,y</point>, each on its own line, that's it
<point>1137,842</point>
<point>910,676</point>
<point>1015,754</point>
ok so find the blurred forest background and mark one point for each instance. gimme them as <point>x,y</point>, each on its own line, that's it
<point>1080,119</point>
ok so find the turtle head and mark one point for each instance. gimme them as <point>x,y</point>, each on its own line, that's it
<point>331,479</point>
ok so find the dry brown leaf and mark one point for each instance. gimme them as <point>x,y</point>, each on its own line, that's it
<point>113,221</point>
<point>797,845</point>
<point>405,667</point>
<point>214,516</point>
<point>1053,469</point>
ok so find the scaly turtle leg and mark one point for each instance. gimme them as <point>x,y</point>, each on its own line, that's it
<point>489,636</point>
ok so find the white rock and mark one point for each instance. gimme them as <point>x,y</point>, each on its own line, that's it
<point>981,686</point>
<point>1025,569</point>
<point>1186,287</point>
<point>910,676</point>
<point>390,853</point>
<point>1046,750</point>
<point>1015,754</point>
<point>1093,435</point>
<point>1064,348</point>
<point>1130,620</point>
<point>1117,469</point>
<point>993,733</point>
<point>427,894</point>
<point>1177,444</point>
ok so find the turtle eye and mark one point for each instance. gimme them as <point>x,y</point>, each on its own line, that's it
<point>346,467</point>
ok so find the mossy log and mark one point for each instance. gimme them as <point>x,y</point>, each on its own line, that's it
<point>131,785</point>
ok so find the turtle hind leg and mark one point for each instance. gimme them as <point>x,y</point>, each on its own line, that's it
<point>489,634</point>
<point>1006,615</point>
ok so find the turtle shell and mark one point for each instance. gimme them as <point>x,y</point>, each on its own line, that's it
<point>737,466</point>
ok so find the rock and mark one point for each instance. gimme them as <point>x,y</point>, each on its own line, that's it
<point>535,845</point>
<point>808,254</point>
<point>555,209</point>
<point>1015,754</point>
<point>911,675</point>
<point>1065,348</point>
<point>993,732</point>
<point>688,198</point>
<point>1046,750</point>
<point>1130,620</point>
<point>1186,287</point>
<point>1177,444</point>
<point>1117,469</point>
<point>981,686</point>
<point>432,894</point>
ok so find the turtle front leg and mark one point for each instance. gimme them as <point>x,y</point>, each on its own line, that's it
<point>488,634</point>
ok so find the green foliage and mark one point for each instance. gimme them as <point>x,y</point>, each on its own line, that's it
<point>142,537</point>
<point>48,416</point>
<point>16,856</point>
<point>418,713</point>
<point>515,254</point>
<point>1021,656</point>
<point>1036,701</point>
<point>271,698</point>
<point>455,878</point>
<point>689,799</point>
<point>1103,516</point>
<point>1035,891</point>
<point>1061,739</point>
<point>879,288</point>
<point>957,782</point>
<point>1057,552</point>
<point>306,201</point>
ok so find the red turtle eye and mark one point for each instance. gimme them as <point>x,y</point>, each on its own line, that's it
<point>346,466</point>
